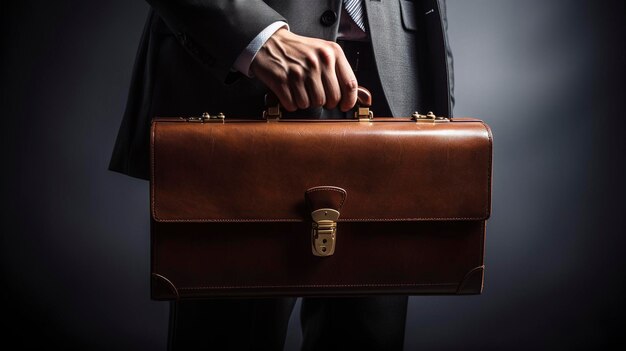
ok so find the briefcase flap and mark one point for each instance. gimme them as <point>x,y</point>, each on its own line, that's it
<point>394,170</point>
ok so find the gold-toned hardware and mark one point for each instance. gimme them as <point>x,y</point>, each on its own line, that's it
<point>272,113</point>
<point>207,118</point>
<point>324,231</point>
<point>364,114</point>
<point>429,117</point>
<point>219,118</point>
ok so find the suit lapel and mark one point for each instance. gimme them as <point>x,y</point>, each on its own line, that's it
<point>390,40</point>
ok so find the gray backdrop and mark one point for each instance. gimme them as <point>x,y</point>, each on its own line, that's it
<point>546,75</point>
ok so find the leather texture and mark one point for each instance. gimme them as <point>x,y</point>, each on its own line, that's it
<point>232,218</point>
<point>392,170</point>
<point>325,197</point>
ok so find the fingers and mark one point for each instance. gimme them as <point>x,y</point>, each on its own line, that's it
<point>347,83</point>
<point>285,96</point>
<point>298,90</point>
<point>330,84</point>
<point>315,88</point>
<point>306,72</point>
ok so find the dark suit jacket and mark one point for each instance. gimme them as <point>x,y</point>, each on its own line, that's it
<point>183,65</point>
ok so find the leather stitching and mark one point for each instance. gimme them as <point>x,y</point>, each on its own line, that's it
<point>467,277</point>
<point>204,220</point>
<point>153,182</point>
<point>489,166</point>
<point>317,286</point>
<point>328,188</point>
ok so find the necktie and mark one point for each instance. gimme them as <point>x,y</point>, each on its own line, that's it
<point>355,10</point>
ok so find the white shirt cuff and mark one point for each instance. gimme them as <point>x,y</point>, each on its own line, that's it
<point>242,64</point>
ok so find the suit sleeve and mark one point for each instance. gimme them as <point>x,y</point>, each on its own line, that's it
<point>215,32</point>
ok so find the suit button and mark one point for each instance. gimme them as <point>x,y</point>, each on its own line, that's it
<point>328,18</point>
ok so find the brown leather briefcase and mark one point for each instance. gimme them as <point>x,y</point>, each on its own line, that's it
<point>279,207</point>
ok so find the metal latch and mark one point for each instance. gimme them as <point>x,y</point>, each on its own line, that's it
<point>363,104</point>
<point>364,114</point>
<point>272,112</point>
<point>324,231</point>
<point>207,118</point>
<point>429,117</point>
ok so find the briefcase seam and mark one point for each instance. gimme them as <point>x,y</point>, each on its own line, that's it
<point>317,286</point>
<point>152,164</point>
<point>420,219</point>
<point>489,166</point>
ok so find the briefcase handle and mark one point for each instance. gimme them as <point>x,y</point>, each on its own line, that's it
<point>362,112</point>
<point>362,108</point>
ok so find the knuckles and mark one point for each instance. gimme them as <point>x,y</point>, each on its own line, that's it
<point>352,85</point>
<point>326,55</point>
<point>296,75</point>
<point>312,61</point>
<point>336,48</point>
<point>289,77</point>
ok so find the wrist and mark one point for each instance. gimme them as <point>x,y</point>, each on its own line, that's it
<point>243,63</point>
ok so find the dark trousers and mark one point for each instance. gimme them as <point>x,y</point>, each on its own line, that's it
<point>345,323</point>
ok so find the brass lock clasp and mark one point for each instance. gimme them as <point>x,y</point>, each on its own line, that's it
<point>324,203</point>
<point>324,231</point>
<point>429,117</point>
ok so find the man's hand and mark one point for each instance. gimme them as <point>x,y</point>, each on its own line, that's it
<point>305,72</point>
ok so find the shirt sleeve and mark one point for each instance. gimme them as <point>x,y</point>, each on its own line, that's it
<point>244,60</point>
